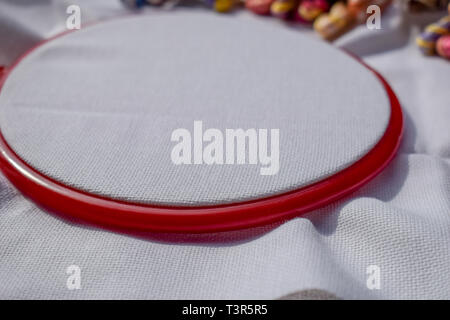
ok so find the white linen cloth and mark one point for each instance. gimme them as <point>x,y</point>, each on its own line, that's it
<point>399,222</point>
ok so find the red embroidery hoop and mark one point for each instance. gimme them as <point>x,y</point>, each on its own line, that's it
<point>60,198</point>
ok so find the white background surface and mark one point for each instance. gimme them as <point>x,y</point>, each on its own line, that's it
<point>400,221</point>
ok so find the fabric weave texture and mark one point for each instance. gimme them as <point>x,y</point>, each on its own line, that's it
<point>400,221</point>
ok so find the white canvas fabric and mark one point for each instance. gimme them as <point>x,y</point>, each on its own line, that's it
<point>399,222</point>
<point>96,109</point>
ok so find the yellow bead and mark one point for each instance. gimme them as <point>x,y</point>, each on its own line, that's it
<point>281,8</point>
<point>223,5</point>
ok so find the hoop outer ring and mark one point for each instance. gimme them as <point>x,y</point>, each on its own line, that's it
<point>102,211</point>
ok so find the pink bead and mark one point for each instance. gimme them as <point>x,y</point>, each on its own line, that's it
<point>259,6</point>
<point>443,46</point>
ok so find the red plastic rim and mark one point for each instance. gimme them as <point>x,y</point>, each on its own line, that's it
<point>57,197</point>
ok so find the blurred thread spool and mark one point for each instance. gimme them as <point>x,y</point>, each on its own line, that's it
<point>358,8</point>
<point>335,23</point>
<point>427,39</point>
<point>155,2</point>
<point>261,7</point>
<point>282,8</point>
<point>134,4</point>
<point>222,6</point>
<point>309,10</point>
<point>443,46</point>
<point>427,5</point>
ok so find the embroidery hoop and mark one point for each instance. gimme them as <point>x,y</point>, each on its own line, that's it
<point>103,211</point>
